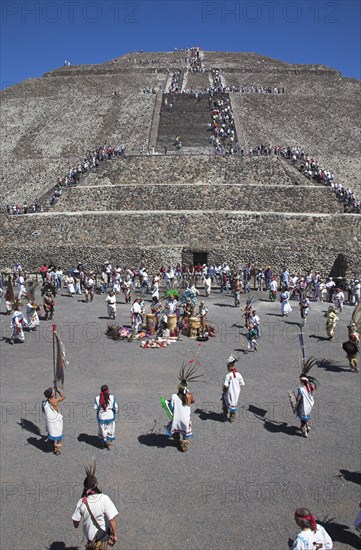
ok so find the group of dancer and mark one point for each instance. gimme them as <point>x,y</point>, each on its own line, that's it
<point>178,406</point>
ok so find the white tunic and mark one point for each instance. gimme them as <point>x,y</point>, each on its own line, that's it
<point>53,422</point>
<point>307,540</point>
<point>233,383</point>
<point>102,509</point>
<point>17,322</point>
<point>181,422</point>
<point>111,303</point>
<point>32,316</point>
<point>285,305</point>
<point>106,418</point>
<point>70,285</point>
<point>306,403</point>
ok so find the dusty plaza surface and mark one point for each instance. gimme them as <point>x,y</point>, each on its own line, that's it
<point>238,485</point>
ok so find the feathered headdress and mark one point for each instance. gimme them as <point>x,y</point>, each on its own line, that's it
<point>187,374</point>
<point>90,482</point>
<point>174,292</point>
<point>306,369</point>
<point>189,294</point>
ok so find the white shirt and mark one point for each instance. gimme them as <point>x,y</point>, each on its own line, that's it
<point>305,540</point>
<point>111,300</point>
<point>136,309</point>
<point>273,286</point>
<point>101,507</point>
<point>233,385</point>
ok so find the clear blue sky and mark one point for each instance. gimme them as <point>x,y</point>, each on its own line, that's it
<point>37,36</point>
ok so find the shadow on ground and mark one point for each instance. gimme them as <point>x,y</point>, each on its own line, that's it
<point>319,338</point>
<point>40,444</point>
<point>92,440</point>
<point>210,415</point>
<point>341,533</point>
<point>156,440</point>
<point>330,366</point>
<point>281,427</point>
<point>355,477</point>
<point>29,426</point>
<point>58,545</point>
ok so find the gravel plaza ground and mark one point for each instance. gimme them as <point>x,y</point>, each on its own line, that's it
<point>239,484</point>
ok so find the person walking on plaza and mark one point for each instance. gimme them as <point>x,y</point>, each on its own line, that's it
<point>338,300</point>
<point>89,287</point>
<point>49,304</point>
<point>331,321</point>
<point>107,408</point>
<point>231,389</point>
<point>352,347</point>
<point>304,307</point>
<point>136,315</point>
<point>305,400</point>
<point>53,418</point>
<point>272,290</point>
<point>237,289</point>
<point>17,324</point>
<point>312,535</point>
<point>111,301</point>
<point>285,303</point>
<point>97,512</point>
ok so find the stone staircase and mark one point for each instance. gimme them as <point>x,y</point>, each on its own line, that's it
<point>188,118</point>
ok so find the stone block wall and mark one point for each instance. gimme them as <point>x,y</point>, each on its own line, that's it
<point>201,197</point>
<point>195,168</point>
<point>301,242</point>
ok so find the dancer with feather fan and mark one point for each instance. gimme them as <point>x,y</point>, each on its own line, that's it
<point>178,407</point>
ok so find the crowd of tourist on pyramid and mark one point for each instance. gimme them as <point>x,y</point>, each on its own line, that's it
<point>88,164</point>
<point>313,170</point>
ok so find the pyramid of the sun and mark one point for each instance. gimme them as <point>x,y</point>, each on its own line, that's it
<point>190,204</point>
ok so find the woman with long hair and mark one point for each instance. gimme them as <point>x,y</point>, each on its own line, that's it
<point>106,407</point>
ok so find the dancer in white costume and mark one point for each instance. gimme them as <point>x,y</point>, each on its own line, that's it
<point>231,389</point>
<point>107,408</point>
<point>178,409</point>
<point>53,418</point>
<point>18,321</point>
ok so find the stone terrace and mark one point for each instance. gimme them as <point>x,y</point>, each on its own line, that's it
<point>178,168</point>
<point>300,241</point>
<point>199,196</point>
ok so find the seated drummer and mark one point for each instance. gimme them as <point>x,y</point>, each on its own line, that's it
<point>188,310</point>
<point>156,308</point>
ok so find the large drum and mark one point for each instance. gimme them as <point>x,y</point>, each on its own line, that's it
<point>194,326</point>
<point>150,323</point>
<point>171,321</point>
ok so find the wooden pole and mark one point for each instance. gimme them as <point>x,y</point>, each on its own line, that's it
<point>54,331</point>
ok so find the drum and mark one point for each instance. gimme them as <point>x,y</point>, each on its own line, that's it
<point>171,321</point>
<point>194,326</point>
<point>150,323</point>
